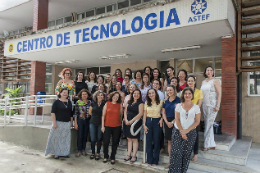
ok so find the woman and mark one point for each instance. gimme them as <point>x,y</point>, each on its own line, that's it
<point>118,74</point>
<point>169,74</point>
<point>112,85</point>
<point>81,121</point>
<point>60,135</point>
<point>111,124</point>
<point>92,80</point>
<point>175,82</point>
<point>152,122</point>
<point>145,86</point>
<point>187,118</point>
<point>168,114</point>
<point>157,75</point>
<point>100,80</point>
<point>133,111</point>
<point>66,82</point>
<point>126,84</point>
<point>119,90</point>
<point>182,76</point>
<point>138,78</point>
<point>107,80</point>
<point>102,87</point>
<point>79,84</point>
<point>211,89</point>
<point>149,71</point>
<point>198,98</point>
<point>157,87</point>
<point>95,111</point>
<point>128,71</point>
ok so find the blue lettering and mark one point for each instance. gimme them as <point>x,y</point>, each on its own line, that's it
<point>195,19</point>
<point>49,41</point>
<point>77,32</point>
<point>154,22</point>
<point>161,19</point>
<point>203,17</point>
<point>24,46</point>
<point>66,38</point>
<point>105,31</point>
<point>36,42</point>
<point>42,42</point>
<point>190,20</point>
<point>85,33</point>
<point>140,19</point>
<point>18,47</point>
<point>207,16</point>
<point>30,45</point>
<point>124,31</point>
<point>175,18</point>
<point>118,28</point>
<point>59,40</point>
<point>92,33</point>
<point>199,17</point>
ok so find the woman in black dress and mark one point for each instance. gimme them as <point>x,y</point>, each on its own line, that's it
<point>134,111</point>
<point>79,84</point>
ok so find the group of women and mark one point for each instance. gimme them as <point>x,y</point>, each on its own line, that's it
<point>115,99</point>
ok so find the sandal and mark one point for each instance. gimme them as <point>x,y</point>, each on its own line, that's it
<point>105,160</point>
<point>195,158</point>
<point>78,154</point>
<point>84,154</point>
<point>56,157</point>
<point>97,157</point>
<point>205,149</point>
<point>132,161</point>
<point>127,158</point>
<point>167,166</point>
<point>92,156</point>
<point>112,162</point>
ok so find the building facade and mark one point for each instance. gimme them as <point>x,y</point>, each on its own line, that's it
<point>102,36</point>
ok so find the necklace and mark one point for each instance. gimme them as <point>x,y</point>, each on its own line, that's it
<point>66,106</point>
<point>99,103</point>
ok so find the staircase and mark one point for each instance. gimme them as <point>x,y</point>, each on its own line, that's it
<point>249,40</point>
<point>230,156</point>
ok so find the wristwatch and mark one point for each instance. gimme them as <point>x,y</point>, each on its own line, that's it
<point>218,105</point>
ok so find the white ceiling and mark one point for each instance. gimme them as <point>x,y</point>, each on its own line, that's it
<point>141,47</point>
<point>22,15</point>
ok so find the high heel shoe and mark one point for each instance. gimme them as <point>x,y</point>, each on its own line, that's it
<point>132,161</point>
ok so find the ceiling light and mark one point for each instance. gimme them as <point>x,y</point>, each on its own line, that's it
<point>67,61</point>
<point>180,49</point>
<point>110,57</point>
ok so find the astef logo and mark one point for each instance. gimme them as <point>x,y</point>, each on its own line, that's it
<point>197,8</point>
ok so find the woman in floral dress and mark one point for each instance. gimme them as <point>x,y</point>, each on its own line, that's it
<point>66,82</point>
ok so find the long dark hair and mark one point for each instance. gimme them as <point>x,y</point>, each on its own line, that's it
<point>194,80</point>
<point>183,92</point>
<point>177,87</point>
<point>159,73</point>
<point>83,79</point>
<point>149,82</point>
<point>131,100</point>
<point>95,79</point>
<point>138,71</point>
<point>186,74</point>
<point>151,70</point>
<point>167,76</point>
<point>61,90</point>
<point>119,71</point>
<point>204,74</point>
<point>130,73</point>
<point>149,101</point>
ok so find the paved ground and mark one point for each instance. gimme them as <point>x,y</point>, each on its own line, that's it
<point>19,159</point>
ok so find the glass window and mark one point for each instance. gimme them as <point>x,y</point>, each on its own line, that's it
<point>30,27</point>
<point>48,79</point>
<point>200,64</point>
<point>111,7</point>
<point>90,13</point>
<point>80,16</point>
<point>218,63</point>
<point>100,10</point>
<point>254,80</point>
<point>186,65</point>
<point>48,89</point>
<point>51,23</point>
<point>68,19</point>
<point>48,68</point>
<point>123,4</point>
<point>21,30</point>
<point>135,2</point>
<point>105,70</point>
<point>94,69</point>
<point>59,21</point>
<point>163,67</point>
<point>147,0</point>
<point>1,88</point>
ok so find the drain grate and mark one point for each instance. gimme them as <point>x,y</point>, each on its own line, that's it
<point>113,171</point>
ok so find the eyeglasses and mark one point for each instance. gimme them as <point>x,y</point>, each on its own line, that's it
<point>67,73</point>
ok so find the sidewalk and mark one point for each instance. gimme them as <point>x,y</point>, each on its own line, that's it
<point>22,159</point>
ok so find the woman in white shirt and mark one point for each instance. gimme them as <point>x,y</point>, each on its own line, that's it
<point>187,118</point>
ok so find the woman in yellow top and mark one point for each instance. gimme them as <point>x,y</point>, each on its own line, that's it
<point>152,122</point>
<point>198,98</point>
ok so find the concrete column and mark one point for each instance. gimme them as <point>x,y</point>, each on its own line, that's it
<point>40,14</point>
<point>229,86</point>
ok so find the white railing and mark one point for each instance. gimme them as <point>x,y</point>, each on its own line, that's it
<point>144,140</point>
<point>33,101</point>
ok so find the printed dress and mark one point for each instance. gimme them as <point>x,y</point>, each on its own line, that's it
<point>61,84</point>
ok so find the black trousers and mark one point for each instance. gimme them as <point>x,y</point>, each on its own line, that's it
<point>115,132</point>
<point>82,134</point>
<point>196,146</point>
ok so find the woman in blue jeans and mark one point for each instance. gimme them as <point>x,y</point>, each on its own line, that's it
<point>95,110</point>
<point>82,120</point>
<point>152,122</point>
